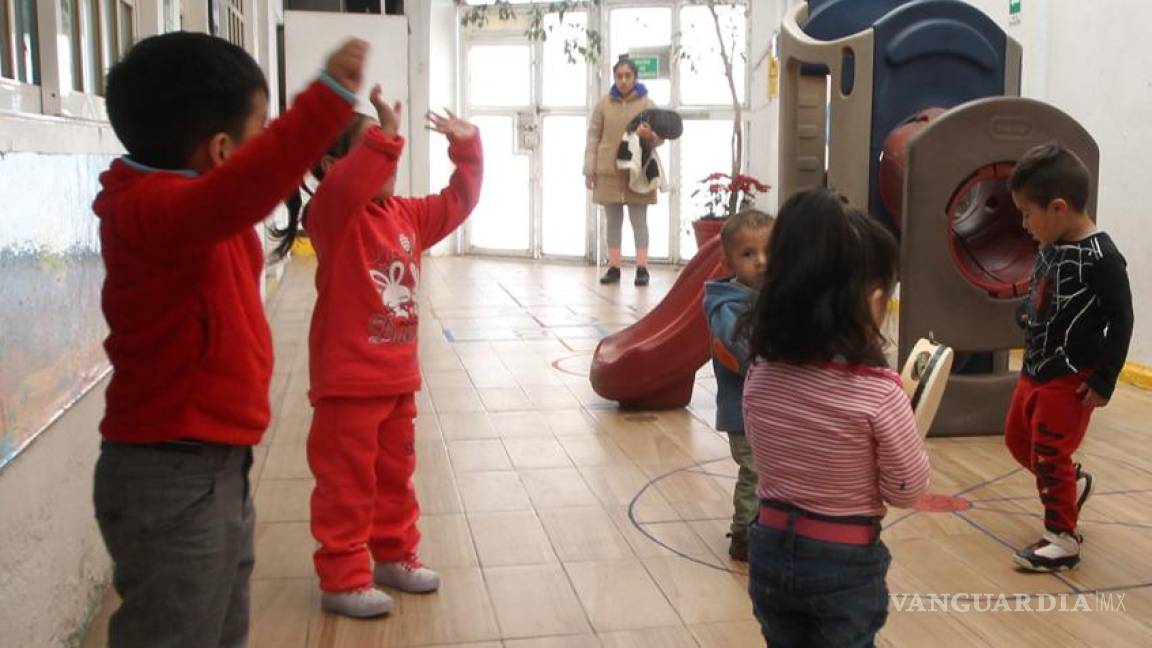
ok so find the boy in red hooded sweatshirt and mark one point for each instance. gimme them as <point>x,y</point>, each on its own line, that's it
<point>190,347</point>
<point>363,354</point>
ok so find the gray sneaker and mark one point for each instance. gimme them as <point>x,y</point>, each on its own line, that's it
<point>407,575</point>
<point>363,603</point>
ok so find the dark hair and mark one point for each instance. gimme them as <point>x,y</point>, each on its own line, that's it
<point>745,218</point>
<point>626,61</point>
<point>297,209</point>
<point>174,91</point>
<point>824,260</point>
<point>1050,171</point>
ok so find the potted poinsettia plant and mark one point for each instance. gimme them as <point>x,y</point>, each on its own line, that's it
<point>724,195</point>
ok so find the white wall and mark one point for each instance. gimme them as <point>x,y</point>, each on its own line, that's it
<point>53,566</point>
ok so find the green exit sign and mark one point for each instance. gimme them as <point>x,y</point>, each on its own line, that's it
<point>1014,7</point>
<point>647,67</point>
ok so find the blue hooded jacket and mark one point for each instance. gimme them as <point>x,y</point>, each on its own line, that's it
<point>725,302</point>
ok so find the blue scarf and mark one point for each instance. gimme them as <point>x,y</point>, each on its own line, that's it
<point>640,90</point>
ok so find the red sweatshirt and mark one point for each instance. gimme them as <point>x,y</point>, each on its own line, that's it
<point>363,337</point>
<point>189,343</point>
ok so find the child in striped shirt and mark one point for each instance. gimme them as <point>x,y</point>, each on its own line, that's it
<point>832,431</point>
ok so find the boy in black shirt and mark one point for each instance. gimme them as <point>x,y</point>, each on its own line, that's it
<point>1078,322</point>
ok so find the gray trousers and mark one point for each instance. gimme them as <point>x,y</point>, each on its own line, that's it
<point>177,519</point>
<point>638,214</point>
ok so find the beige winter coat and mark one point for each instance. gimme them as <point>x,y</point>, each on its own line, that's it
<point>605,129</point>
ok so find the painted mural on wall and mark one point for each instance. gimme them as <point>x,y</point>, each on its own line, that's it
<point>51,327</point>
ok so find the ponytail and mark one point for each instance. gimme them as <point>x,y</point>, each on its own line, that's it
<point>297,209</point>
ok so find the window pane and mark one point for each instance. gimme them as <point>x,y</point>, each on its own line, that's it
<point>27,42</point>
<point>500,221</point>
<point>565,70</point>
<point>499,75</point>
<point>703,150</point>
<point>702,79</point>
<point>645,27</point>
<point>93,70</point>
<point>565,198</point>
<point>65,46</point>
<point>171,15</point>
<point>125,33</point>
<point>109,42</point>
<point>6,68</point>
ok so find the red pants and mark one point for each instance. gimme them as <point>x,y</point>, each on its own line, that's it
<point>362,452</point>
<point>1045,425</point>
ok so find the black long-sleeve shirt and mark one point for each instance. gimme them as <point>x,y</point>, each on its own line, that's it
<point>1079,313</point>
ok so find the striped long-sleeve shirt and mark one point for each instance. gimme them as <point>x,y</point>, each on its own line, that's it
<point>833,439</point>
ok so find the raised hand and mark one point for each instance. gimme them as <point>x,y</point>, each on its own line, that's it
<point>346,65</point>
<point>389,115</point>
<point>449,125</point>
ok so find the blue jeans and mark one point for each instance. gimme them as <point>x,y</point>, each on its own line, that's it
<point>812,593</point>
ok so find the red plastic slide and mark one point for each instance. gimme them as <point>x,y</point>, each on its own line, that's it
<point>652,364</point>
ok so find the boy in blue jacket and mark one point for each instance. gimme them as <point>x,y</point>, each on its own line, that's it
<point>745,241</point>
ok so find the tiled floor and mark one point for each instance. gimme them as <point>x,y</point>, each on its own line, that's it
<point>558,521</point>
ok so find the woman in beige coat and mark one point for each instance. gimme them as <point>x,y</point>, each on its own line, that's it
<point>609,185</point>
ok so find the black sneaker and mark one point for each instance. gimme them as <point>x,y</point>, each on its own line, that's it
<point>612,276</point>
<point>1052,553</point>
<point>1083,487</point>
<point>642,276</point>
<point>738,549</point>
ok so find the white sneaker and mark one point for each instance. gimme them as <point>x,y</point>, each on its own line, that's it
<point>363,603</point>
<point>1054,552</point>
<point>407,575</point>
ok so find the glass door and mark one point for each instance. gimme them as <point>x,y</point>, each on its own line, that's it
<point>530,100</point>
<point>499,101</point>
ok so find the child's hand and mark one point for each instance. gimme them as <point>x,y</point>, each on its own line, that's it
<point>389,116</point>
<point>346,64</point>
<point>451,125</point>
<point>645,132</point>
<point>1091,398</point>
<point>590,182</point>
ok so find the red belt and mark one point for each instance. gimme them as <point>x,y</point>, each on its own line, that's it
<point>814,529</point>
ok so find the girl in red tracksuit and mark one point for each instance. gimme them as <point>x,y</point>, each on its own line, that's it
<point>362,350</point>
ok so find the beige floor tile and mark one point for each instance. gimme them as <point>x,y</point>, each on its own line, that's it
<point>729,634</point>
<point>446,542</point>
<point>566,641</point>
<point>535,601</point>
<point>460,612</point>
<point>557,487</point>
<point>281,611</point>
<point>668,637</point>
<point>506,539</point>
<point>286,462</point>
<point>478,455</point>
<point>620,595</point>
<point>520,424</point>
<point>436,490</point>
<point>584,534</point>
<point>492,492</point>
<point>456,400</point>
<point>505,399</point>
<point>283,550</point>
<point>466,425</point>
<point>594,450</point>
<point>283,500</point>
<point>700,594</point>
<point>536,452</point>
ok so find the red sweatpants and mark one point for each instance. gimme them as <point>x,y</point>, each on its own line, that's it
<point>1045,425</point>
<point>362,452</point>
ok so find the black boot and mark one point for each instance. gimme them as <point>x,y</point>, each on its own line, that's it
<point>612,276</point>
<point>642,276</point>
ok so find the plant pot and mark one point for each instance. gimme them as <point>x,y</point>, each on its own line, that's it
<point>706,229</point>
